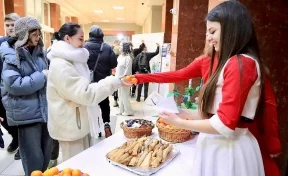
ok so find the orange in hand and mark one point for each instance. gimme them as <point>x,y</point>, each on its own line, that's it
<point>128,78</point>
<point>76,172</point>
<point>36,173</point>
<point>134,80</point>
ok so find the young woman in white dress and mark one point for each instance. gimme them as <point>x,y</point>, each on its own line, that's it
<point>236,85</point>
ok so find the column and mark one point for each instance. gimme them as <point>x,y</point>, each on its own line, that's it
<point>188,35</point>
<point>19,7</point>
<point>74,19</point>
<point>271,27</point>
<point>2,14</point>
<point>15,6</point>
<point>167,20</point>
<point>55,16</point>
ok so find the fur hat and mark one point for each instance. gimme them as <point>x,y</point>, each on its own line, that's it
<point>22,28</point>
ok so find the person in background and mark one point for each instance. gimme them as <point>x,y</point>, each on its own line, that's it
<point>9,21</point>
<point>136,51</point>
<point>141,65</point>
<point>116,50</point>
<point>239,124</point>
<point>106,63</point>
<point>124,68</point>
<point>24,78</point>
<point>116,47</point>
<point>71,96</point>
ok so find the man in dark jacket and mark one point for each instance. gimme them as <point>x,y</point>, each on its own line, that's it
<point>137,51</point>
<point>106,63</point>
<point>12,130</point>
<point>136,68</point>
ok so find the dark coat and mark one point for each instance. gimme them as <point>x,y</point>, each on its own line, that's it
<point>149,56</point>
<point>108,59</point>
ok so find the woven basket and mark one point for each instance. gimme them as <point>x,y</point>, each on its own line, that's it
<point>174,135</point>
<point>136,132</point>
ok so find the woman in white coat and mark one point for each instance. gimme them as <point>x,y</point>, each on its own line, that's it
<point>69,92</point>
<point>124,67</point>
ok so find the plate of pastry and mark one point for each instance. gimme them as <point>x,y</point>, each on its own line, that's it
<point>143,156</point>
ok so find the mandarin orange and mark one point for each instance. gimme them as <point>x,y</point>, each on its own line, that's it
<point>36,173</point>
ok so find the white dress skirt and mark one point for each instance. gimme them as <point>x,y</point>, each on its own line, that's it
<point>238,155</point>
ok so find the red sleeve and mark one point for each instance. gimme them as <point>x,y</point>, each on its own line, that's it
<point>270,129</point>
<point>193,70</point>
<point>234,94</point>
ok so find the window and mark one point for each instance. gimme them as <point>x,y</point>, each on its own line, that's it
<point>46,13</point>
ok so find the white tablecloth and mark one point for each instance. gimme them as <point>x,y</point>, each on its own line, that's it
<point>93,161</point>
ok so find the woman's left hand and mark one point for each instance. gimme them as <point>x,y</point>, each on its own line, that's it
<point>170,118</point>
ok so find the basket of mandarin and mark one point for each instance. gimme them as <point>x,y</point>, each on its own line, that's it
<point>171,133</point>
<point>136,128</point>
<point>54,171</point>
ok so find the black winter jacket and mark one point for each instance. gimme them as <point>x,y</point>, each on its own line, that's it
<point>107,60</point>
<point>149,56</point>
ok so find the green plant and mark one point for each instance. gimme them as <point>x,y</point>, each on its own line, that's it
<point>186,100</point>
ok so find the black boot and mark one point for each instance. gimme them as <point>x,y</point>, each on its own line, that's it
<point>17,156</point>
<point>1,139</point>
<point>13,145</point>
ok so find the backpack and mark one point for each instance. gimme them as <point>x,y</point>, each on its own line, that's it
<point>143,64</point>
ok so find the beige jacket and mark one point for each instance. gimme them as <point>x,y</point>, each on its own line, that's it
<point>69,93</point>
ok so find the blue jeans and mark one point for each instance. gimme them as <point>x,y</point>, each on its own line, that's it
<point>35,146</point>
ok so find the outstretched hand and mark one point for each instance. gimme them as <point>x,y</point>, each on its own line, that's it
<point>125,83</point>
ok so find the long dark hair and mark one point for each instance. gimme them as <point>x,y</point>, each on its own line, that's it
<point>69,29</point>
<point>126,48</point>
<point>237,37</point>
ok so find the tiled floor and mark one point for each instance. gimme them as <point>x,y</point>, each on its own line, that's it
<point>10,167</point>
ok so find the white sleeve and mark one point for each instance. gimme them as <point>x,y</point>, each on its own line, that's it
<point>76,88</point>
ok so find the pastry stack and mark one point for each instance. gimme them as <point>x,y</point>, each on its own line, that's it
<point>142,152</point>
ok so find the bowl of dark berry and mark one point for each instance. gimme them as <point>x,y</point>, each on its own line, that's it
<point>136,128</point>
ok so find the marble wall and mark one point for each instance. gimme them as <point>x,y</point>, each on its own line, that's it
<point>167,20</point>
<point>271,23</point>
<point>188,34</point>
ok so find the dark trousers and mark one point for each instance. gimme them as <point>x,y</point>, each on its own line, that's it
<point>146,87</point>
<point>12,130</point>
<point>35,147</point>
<point>134,89</point>
<point>115,95</point>
<point>105,110</point>
<point>55,150</point>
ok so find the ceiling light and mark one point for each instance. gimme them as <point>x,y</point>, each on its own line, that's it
<point>98,11</point>
<point>120,18</point>
<point>118,7</point>
<point>105,20</point>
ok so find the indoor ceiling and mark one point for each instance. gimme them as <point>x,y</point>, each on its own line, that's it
<point>113,11</point>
